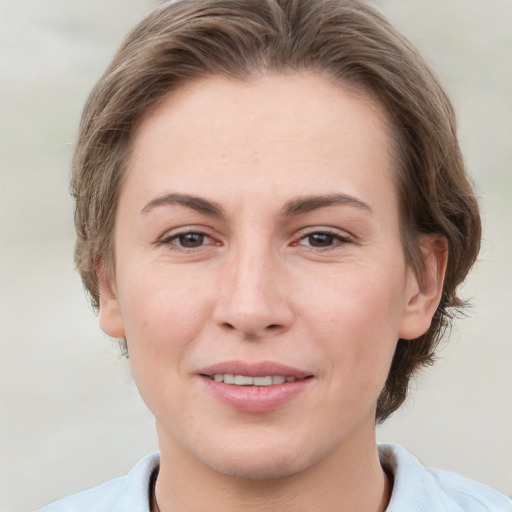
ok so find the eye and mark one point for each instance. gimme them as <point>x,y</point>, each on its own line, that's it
<point>322,239</point>
<point>188,240</point>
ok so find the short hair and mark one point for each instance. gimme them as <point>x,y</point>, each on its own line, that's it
<point>348,41</point>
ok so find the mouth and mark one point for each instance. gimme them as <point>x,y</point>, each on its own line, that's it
<point>248,380</point>
<point>255,387</point>
<point>263,373</point>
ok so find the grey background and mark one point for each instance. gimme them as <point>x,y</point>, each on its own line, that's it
<point>70,416</point>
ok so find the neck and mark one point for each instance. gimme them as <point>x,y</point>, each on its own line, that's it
<point>347,480</point>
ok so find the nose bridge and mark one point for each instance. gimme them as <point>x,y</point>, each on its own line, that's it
<point>252,298</point>
<point>251,269</point>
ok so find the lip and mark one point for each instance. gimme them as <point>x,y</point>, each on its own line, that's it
<point>255,399</point>
<point>257,369</point>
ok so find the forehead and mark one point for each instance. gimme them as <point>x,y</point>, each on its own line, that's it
<point>292,131</point>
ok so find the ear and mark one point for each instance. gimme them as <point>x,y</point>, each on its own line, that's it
<point>110,318</point>
<point>425,291</point>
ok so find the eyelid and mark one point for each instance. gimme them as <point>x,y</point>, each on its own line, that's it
<point>173,234</point>
<point>341,237</point>
<point>324,230</point>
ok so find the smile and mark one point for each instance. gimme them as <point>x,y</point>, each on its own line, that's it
<point>246,380</point>
<point>256,386</point>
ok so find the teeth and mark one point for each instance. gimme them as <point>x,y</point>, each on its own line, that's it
<point>262,381</point>
<point>245,380</point>
<point>242,380</point>
<point>229,379</point>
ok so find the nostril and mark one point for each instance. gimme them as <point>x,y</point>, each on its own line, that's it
<point>272,327</point>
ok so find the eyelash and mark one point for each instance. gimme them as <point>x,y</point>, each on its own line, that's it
<point>172,240</point>
<point>334,239</point>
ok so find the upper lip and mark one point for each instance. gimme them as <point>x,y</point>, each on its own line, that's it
<point>254,369</point>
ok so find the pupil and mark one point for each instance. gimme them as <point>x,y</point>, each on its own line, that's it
<point>320,240</point>
<point>191,240</point>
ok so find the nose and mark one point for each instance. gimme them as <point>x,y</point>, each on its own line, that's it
<point>253,298</point>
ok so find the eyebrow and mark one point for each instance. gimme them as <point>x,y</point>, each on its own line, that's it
<point>294,207</point>
<point>195,203</point>
<point>308,203</point>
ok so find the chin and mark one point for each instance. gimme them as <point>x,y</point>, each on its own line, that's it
<point>268,469</point>
<point>257,461</point>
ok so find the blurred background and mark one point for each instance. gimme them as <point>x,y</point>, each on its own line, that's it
<point>70,415</point>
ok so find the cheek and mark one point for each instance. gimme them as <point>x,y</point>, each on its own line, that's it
<point>164,318</point>
<point>358,321</point>
<point>367,298</point>
<point>162,313</point>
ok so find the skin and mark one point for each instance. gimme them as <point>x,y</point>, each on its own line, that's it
<point>269,275</point>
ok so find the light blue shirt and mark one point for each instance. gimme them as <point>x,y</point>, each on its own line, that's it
<point>415,489</point>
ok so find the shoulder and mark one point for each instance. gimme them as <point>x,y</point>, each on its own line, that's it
<point>125,494</point>
<point>469,494</point>
<point>417,488</point>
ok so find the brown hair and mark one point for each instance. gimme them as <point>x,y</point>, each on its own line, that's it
<point>348,40</point>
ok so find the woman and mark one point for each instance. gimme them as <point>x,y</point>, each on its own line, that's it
<point>272,212</point>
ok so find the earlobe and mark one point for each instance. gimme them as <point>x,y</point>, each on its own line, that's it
<point>109,318</point>
<point>425,291</point>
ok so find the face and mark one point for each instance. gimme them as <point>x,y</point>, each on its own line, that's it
<point>260,281</point>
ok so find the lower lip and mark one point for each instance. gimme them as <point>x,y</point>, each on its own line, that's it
<point>256,398</point>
